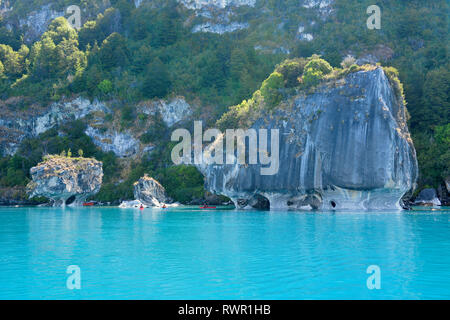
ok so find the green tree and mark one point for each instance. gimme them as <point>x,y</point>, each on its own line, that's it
<point>141,58</point>
<point>114,52</point>
<point>436,98</point>
<point>183,183</point>
<point>320,65</point>
<point>442,136</point>
<point>59,29</point>
<point>270,89</point>
<point>9,37</point>
<point>14,62</point>
<point>57,53</point>
<point>166,30</point>
<point>315,69</point>
<point>99,29</point>
<point>156,132</point>
<point>88,34</point>
<point>105,86</point>
<point>69,58</point>
<point>43,58</point>
<point>312,77</point>
<point>292,70</point>
<point>157,82</point>
<point>434,155</point>
<point>238,62</point>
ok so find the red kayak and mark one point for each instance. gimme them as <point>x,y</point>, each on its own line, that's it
<point>206,207</point>
<point>88,204</point>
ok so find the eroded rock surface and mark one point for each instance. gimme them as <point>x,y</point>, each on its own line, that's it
<point>150,192</point>
<point>345,146</point>
<point>60,178</point>
<point>172,111</point>
<point>428,197</point>
<point>123,144</point>
<point>17,124</point>
<point>200,4</point>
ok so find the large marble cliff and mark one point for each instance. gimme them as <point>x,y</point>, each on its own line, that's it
<point>344,146</point>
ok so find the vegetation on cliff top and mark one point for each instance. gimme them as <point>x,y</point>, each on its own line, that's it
<point>66,159</point>
<point>291,77</point>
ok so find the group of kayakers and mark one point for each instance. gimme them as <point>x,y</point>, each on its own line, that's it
<point>205,206</point>
<point>162,207</point>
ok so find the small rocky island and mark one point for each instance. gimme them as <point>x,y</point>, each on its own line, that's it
<point>61,178</point>
<point>343,145</point>
<point>148,193</point>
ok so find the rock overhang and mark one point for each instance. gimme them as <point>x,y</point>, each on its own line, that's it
<point>344,146</point>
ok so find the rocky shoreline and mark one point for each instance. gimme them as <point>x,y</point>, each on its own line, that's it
<point>17,197</point>
<point>8,198</point>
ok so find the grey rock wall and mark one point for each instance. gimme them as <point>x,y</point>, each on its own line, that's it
<point>345,146</point>
<point>60,178</point>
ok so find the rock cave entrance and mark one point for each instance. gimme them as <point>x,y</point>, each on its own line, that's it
<point>70,200</point>
<point>260,202</point>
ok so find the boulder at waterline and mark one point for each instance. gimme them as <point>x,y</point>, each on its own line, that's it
<point>427,197</point>
<point>150,192</point>
<point>132,204</point>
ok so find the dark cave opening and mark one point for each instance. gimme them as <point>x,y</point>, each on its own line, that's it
<point>70,200</point>
<point>260,202</point>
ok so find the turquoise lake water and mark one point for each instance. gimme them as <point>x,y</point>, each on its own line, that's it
<point>196,254</point>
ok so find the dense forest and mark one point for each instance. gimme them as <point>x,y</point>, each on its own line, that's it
<point>127,54</point>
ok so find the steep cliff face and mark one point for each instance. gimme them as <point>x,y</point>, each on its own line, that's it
<point>5,7</point>
<point>172,111</point>
<point>17,124</point>
<point>126,143</point>
<point>123,144</point>
<point>201,4</point>
<point>219,16</point>
<point>345,146</point>
<point>211,16</point>
<point>60,178</point>
<point>35,19</point>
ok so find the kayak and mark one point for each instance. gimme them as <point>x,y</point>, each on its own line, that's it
<point>208,208</point>
<point>88,204</point>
